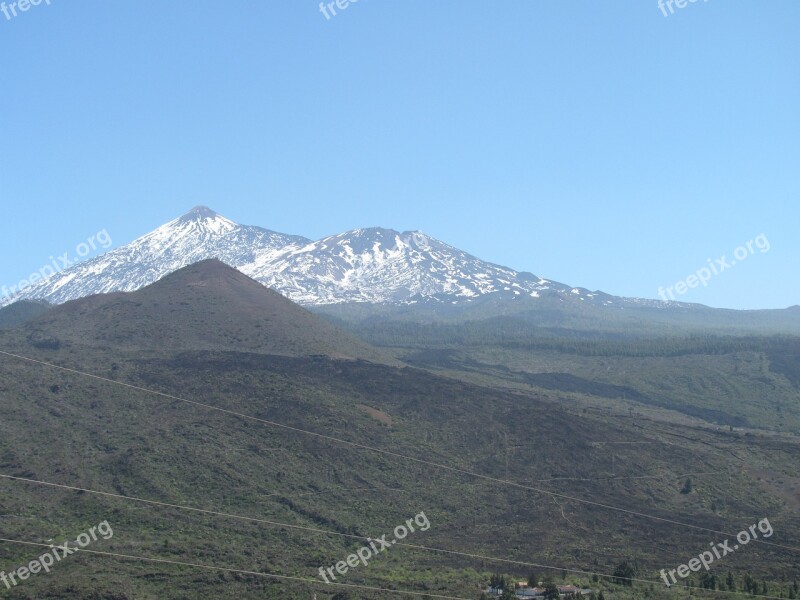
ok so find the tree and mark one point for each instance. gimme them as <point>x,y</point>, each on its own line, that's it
<point>509,593</point>
<point>750,584</point>
<point>533,580</point>
<point>687,487</point>
<point>551,592</point>
<point>731,582</point>
<point>708,581</point>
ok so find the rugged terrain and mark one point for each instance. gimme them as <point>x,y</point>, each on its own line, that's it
<point>561,453</point>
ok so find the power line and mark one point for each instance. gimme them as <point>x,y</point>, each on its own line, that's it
<point>619,477</point>
<point>394,454</point>
<point>243,572</point>
<point>304,528</point>
<point>346,585</point>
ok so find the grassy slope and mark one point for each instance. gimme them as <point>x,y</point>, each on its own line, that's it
<point>746,381</point>
<point>207,335</point>
<point>553,310</point>
<point>64,428</point>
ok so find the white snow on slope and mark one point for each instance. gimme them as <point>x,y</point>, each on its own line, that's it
<point>364,265</point>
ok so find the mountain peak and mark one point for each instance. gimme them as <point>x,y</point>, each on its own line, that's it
<point>199,212</point>
<point>372,264</point>
<point>202,219</point>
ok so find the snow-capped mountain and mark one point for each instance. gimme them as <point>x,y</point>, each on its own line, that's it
<point>383,265</point>
<point>364,265</point>
<point>199,234</point>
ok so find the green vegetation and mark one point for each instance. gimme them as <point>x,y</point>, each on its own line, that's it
<point>475,413</point>
<point>740,382</point>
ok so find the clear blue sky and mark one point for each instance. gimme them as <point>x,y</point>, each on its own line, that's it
<point>600,144</point>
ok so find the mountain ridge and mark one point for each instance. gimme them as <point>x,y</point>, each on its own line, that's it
<point>373,265</point>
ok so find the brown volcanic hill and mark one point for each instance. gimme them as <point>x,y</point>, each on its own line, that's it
<point>205,306</point>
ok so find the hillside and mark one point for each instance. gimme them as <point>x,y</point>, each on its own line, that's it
<point>728,380</point>
<point>21,312</point>
<point>286,466</point>
<point>611,317</point>
<point>207,305</point>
